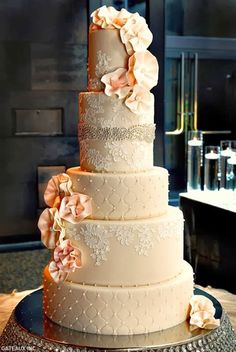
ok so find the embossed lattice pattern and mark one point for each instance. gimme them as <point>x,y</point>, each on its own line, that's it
<point>119,310</point>
<point>123,196</point>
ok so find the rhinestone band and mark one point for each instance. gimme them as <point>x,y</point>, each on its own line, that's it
<point>141,133</point>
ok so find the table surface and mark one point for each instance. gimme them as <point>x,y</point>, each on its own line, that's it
<point>9,301</point>
<point>222,199</point>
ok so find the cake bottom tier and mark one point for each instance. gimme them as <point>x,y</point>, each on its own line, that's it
<point>119,310</point>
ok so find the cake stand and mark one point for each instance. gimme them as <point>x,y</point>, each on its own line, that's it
<point>29,330</point>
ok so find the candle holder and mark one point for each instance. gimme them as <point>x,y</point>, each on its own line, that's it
<point>227,149</point>
<point>194,164</point>
<point>231,173</point>
<point>211,169</point>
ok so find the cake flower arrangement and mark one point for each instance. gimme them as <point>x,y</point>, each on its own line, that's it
<point>202,313</point>
<point>64,205</point>
<point>133,84</point>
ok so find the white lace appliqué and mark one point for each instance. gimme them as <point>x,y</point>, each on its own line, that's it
<point>94,158</point>
<point>114,152</point>
<point>103,64</point>
<point>98,241</point>
<point>141,237</point>
<point>102,67</point>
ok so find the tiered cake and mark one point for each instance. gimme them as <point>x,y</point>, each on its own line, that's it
<point>117,265</point>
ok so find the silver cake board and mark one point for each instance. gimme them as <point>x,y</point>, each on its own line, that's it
<point>29,330</point>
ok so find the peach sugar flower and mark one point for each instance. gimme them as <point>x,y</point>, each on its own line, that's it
<point>75,208</point>
<point>143,70</point>
<point>51,227</point>
<point>140,101</point>
<point>116,83</point>
<point>66,259</point>
<point>202,313</point>
<point>135,34</point>
<point>121,18</point>
<point>58,187</point>
<point>109,18</point>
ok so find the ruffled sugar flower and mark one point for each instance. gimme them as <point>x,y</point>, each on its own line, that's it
<point>58,187</point>
<point>66,259</point>
<point>140,101</point>
<point>75,208</point>
<point>116,83</point>
<point>135,34</point>
<point>121,18</point>
<point>143,70</point>
<point>103,17</point>
<point>51,227</point>
<point>109,18</point>
<point>202,313</point>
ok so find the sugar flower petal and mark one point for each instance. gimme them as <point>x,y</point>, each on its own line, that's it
<point>116,82</point>
<point>56,274</point>
<point>143,70</point>
<point>66,259</point>
<point>121,18</point>
<point>140,101</point>
<point>75,208</point>
<point>49,234</point>
<point>109,18</point>
<point>57,187</point>
<point>202,313</point>
<point>135,34</point>
<point>104,16</point>
<point>201,303</point>
<point>203,320</point>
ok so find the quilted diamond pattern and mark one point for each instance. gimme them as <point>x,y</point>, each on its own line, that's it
<point>119,310</point>
<point>124,196</point>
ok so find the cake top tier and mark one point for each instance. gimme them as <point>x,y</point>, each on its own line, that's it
<point>119,62</point>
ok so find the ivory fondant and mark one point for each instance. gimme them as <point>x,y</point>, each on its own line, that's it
<point>96,108</point>
<point>117,157</point>
<point>128,253</point>
<point>123,196</point>
<point>117,310</point>
<point>106,54</point>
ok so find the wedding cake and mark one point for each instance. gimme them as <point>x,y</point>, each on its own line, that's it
<point>117,264</point>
